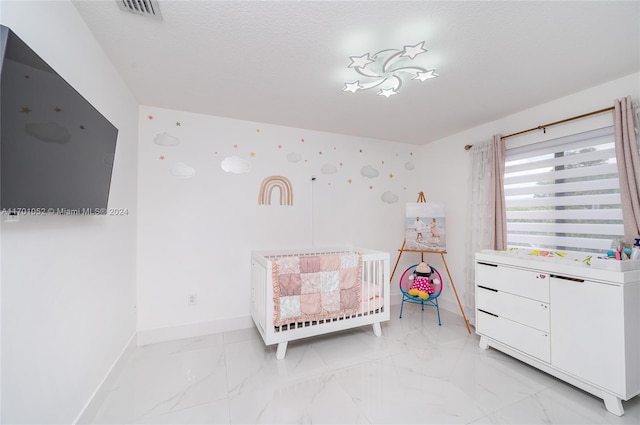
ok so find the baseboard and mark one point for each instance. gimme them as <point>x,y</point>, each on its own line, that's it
<point>170,333</point>
<point>100,394</point>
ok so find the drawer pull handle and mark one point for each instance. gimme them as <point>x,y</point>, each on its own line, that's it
<point>573,279</point>
<point>488,264</point>
<point>486,312</point>
<point>488,289</point>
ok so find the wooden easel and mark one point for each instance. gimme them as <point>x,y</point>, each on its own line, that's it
<point>421,198</point>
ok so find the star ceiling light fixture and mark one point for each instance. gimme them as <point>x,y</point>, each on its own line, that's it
<point>386,69</point>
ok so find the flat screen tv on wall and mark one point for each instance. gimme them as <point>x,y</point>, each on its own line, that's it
<point>56,149</point>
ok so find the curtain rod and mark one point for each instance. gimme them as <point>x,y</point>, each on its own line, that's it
<point>543,127</point>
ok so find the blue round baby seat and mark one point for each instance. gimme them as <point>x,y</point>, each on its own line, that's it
<point>411,292</point>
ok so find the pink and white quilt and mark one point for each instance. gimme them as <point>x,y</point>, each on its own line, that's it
<point>316,287</point>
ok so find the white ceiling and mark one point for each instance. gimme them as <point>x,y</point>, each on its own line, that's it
<point>286,62</point>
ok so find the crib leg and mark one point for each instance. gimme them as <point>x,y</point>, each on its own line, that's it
<point>377,330</point>
<point>281,350</point>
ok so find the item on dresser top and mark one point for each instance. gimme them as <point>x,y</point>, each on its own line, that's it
<point>619,249</point>
<point>635,252</point>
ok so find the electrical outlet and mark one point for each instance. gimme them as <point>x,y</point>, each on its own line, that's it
<point>193,299</point>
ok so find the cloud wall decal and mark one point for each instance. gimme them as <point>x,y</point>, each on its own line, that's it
<point>182,170</point>
<point>166,139</point>
<point>50,132</point>
<point>369,172</point>
<point>389,197</point>
<point>234,164</point>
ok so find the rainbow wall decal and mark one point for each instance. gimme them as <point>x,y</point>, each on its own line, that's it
<point>270,183</point>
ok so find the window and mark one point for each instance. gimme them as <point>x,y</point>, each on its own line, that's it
<point>563,194</point>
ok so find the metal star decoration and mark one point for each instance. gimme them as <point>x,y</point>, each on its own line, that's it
<point>425,75</point>
<point>360,61</point>
<point>413,51</point>
<point>387,92</point>
<point>352,87</point>
<point>387,69</point>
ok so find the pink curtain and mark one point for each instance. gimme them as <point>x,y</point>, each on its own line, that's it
<point>500,224</point>
<point>486,214</point>
<point>628,167</point>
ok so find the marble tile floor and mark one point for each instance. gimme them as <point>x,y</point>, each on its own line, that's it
<point>416,373</point>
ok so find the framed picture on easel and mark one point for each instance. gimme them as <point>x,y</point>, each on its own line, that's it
<point>425,226</point>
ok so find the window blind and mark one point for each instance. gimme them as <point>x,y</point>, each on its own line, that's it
<point>563,194</point>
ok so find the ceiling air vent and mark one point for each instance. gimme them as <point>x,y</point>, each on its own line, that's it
<point>148,8</point>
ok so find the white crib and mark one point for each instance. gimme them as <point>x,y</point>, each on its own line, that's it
<point>374,303</point>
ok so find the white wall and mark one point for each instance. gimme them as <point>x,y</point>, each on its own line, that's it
<point>196,234</point>
<point>68,283</point>
<point>448,177</point>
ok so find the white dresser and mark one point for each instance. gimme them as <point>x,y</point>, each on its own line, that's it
<point>580,324</point>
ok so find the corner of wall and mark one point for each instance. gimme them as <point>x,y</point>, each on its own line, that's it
<point>98,397</point>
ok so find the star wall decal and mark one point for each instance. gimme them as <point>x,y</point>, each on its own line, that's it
<point>25,110</point>
<point>57,109</point>
<point>387,70</point>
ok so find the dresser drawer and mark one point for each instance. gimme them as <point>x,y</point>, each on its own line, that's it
<point>523,338</point>
<point>526,283</point>
<point>532,313</point>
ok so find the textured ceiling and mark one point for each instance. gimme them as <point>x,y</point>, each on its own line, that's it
<point>286,62</point>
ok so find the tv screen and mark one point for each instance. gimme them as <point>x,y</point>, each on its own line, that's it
<point>56,149</point>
